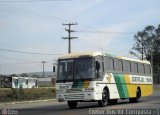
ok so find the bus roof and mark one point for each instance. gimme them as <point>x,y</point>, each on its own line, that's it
<point>80,54</point>
<point>93,54</point>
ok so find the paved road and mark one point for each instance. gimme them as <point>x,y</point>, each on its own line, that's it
<point>84,108</point>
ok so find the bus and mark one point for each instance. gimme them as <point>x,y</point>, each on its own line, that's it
<point>19,82</point>
<point>101,77</point>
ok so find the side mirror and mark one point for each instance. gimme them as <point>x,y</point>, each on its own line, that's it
<point>97,65</point>
<point>54,69</point>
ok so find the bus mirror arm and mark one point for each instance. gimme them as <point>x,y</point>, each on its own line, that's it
<point>97,73</point>
<point>97,65</point>
<point>54,69</point>
<point>97,68</point>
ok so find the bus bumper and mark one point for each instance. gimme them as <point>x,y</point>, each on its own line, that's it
<point>85,96</point>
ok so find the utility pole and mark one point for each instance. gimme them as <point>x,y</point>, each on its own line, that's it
<point>43,62</point>
<point>69,35</point>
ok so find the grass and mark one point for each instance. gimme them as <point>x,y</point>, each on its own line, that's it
<point>11,95</point>
<point>45,85</point>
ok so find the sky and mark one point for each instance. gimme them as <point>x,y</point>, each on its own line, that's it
<point>31,31</point>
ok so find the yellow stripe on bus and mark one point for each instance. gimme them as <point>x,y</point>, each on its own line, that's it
<point>132,88</point>
<point>86,84</point>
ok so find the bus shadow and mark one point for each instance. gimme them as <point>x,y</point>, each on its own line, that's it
<point>85,105</point>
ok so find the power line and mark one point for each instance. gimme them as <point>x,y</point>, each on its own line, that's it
<point>20,63</point>
<point>32,0</point>
<point>105,32</point>
<point>30,13</point>
<point>24,52</point>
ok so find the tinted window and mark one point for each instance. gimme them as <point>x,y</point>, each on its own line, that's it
<point>147,69</point>
<point>126,66</point>
<point>118,65</point>
<point>141,68</point>
<point>109,63</point>
<point>134,67</point>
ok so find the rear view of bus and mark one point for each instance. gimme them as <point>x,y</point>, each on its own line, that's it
<point>101,77</point>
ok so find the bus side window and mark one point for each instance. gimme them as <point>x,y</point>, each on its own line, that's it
<point>100,60</point>
<point>132,67</point>
<point>141,68</point>
<point>126,66</point>
<point>118,65</point>
<point>109,64</point>
<point>136,68</point>
<point>147,69</point>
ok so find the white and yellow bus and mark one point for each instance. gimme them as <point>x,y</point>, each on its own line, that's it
<point>103,78</point>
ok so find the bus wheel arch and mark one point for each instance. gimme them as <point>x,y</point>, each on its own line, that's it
<point>105,97</point>
<point>138,96</point>
<point>139,91</point>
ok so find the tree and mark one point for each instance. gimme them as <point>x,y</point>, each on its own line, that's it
<point>24,75</point>
<point>147,41</point>
<point>35,75</point>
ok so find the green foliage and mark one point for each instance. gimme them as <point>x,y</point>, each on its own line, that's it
<point>34,75</point>
<point>147,41</point>
<point>24,75</point>
<point>10,95</point>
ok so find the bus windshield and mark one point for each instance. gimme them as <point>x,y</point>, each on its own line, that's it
<point>76,69</point>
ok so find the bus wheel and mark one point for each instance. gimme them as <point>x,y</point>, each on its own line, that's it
<point>137,98</point>
<point>105,98</point>
<point>112,101</point>
<point>72,104</point>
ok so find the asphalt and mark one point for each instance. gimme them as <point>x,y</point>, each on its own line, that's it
<point>148,105</point>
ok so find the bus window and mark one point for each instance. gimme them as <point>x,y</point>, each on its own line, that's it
<point>109,64</point>
<point>27,81</point>
<point>100,73</point>
<point>118,65</point>
<point>126,66</point>
<point>141,68</point>
<point>66,69</point>
<point>136,68</point>
<point>16,83</point>
<point>147,69</point>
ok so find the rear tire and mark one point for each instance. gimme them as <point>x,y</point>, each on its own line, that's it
<point>105,98</point>
<point>137,98</point>
<point>72,104</point>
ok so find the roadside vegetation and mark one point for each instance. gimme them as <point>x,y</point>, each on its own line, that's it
<point>11,95</point>
<point>156,89</point>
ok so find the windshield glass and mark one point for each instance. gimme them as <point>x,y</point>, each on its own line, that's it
<point>76,69</point>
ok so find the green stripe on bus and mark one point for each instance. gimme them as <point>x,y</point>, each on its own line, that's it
<point>77,84</point>
<point>121,85</point>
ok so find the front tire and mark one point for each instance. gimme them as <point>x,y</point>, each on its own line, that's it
<point>105,98</point>
<point>72,104</point>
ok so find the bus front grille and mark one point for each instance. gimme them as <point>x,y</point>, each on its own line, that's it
<point>74,96</point>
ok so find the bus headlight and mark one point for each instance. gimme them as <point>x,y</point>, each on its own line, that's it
<point>90,89</point>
